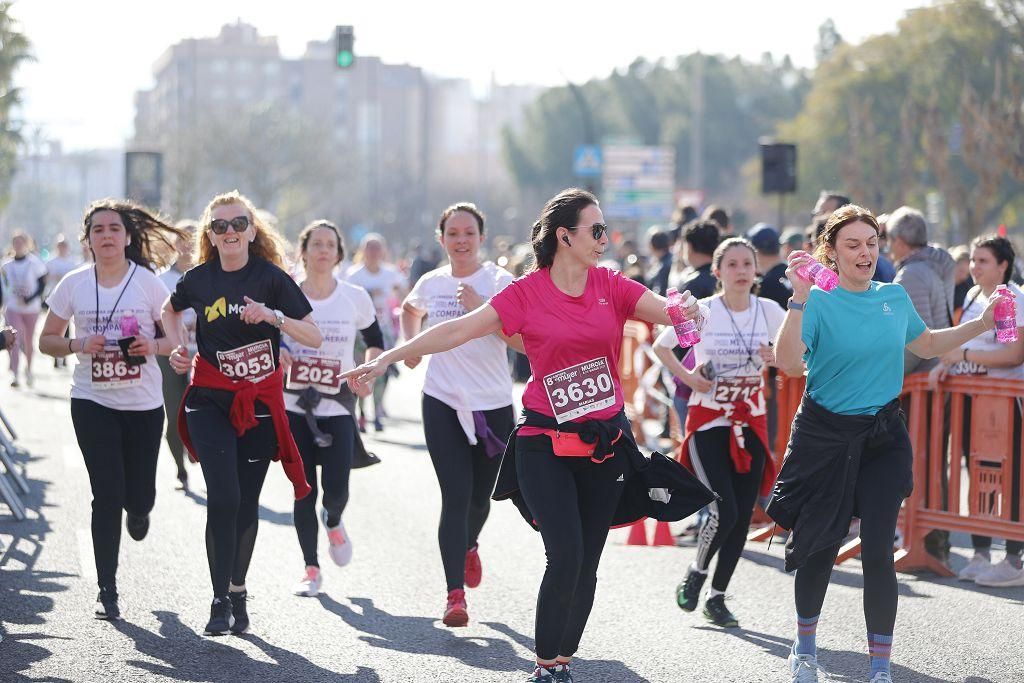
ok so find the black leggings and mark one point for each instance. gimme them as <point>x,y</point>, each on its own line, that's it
<point>234,468</point>
<point>882,482</point>
<point>724,531</point>
<point>174,386</point>
<point>466,477</point>
<point>573,501</point>
<point>335,465</point>
<point>120,448</point>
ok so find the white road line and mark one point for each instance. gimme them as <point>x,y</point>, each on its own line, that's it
<point>86,560</point>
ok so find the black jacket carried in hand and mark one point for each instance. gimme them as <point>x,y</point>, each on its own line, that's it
<point>814,492</point>
<point>657,487</point>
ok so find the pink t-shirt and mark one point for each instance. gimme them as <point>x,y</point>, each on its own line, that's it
<point>573,334</point>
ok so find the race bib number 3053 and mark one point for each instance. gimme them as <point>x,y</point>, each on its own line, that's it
<point>110,371</point>
<point>323,374</point>
<point>580,389</point>
<point>252,362</point>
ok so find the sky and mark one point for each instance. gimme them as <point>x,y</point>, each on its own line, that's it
<point>92,56</point>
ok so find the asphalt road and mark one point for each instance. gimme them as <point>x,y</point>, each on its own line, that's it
<point>379,618</point>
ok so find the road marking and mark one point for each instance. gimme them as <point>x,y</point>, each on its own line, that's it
<point>86,560</point>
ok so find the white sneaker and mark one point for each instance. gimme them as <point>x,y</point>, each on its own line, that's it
<point>309,586</point>
<point>804,668</point>
<point>882,677</point>
<point>978,565</point>
<point>1002,575</point>
<point>340,545</point>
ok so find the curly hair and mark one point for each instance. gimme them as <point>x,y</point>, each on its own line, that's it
<point>268,244</point>
<point>152,241</point>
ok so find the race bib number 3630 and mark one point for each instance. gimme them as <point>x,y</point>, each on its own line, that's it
<point>252,362</point>
<point>111,371</point>
<point>580,389</point>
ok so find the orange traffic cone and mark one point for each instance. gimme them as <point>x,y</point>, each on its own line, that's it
<point>663,535</point>
<point>637,534</point>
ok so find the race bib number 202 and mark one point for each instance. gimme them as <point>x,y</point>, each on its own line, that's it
<point>581,389</point>
<point>323,374</point>
<point>252,362</point>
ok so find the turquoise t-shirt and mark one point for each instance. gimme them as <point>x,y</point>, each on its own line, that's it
<point>855,346</point>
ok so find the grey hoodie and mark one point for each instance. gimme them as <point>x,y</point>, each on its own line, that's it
<point>927,275</point>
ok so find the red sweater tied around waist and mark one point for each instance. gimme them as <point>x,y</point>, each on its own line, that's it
<point>269,390</point>
<point>697,416</point>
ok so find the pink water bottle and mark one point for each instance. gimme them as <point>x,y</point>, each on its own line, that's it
<point>1006,316</point>
<point>129,325</point>
<point>686,330</point>
<point>818,274</point>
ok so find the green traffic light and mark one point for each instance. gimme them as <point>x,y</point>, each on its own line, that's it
<point>345,58</point>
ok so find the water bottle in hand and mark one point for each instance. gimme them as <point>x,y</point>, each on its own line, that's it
<point>815,272</point>
<point>1006,316</point>
<point>686,330</point>
<point>129,325</point>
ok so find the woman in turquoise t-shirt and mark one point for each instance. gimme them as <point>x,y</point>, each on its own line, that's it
<point>849,453</point>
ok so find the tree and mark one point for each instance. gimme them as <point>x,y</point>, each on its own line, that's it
<point>828,40</point>
<point>15,49</point>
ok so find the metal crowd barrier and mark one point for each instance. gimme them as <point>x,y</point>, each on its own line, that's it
<point>11,480</point>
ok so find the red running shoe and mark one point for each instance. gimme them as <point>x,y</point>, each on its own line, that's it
<point>474,570</point>
<point>455,615</point>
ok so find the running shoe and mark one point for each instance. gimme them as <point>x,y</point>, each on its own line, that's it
<point>978,565</point>
<point>474,570</point>
<point>803,668</point>
<point>377,425</point>
<point>309,586</point>
<point>182,482</point>
<point>340,545</point>
<point>455,614</point>
<point>543,673</point>
<point>106,605</point>
<point>718,614</point>
<point>239,611</point>
<point>1002,575</point>
<point>882,677</point>
<point>137,525</point>
<point>688,592</point>
<point>562,674</point>
<point>220,618</point>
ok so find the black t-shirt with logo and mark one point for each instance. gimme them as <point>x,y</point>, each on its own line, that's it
<point>240,350</point>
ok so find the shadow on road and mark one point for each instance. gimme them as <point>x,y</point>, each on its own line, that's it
<point>593,669</point>
<point>184,655</point>
<point>421,635</point>
<point>840,577</point>
<point>266,514</point>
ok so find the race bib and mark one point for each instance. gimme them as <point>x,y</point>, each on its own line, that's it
<point>580,389</point>
<point>252,362</point>
<point>111,371</point>
<point>736,389</point>
<point>323,374</point>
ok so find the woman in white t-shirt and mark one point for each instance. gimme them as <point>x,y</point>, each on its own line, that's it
<point>116,399</point>
<point>386,286</point>
<point>992,260</point>
<point>726,432</point>
<point>320,405</point>
<point>467,397</point>
<point>24,280</point>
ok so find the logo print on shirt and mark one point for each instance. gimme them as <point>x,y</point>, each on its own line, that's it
<point>603,302</point>
<point>218,309</point>
<point>885,309</point>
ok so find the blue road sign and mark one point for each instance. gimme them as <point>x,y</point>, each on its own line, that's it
<point>586,162</point>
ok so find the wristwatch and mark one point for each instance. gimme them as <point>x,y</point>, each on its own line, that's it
<point>794,305</point>
<point>279,319</point>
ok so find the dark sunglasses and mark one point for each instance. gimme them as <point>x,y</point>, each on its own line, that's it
<point>238,224</point>
<point>597,229</point>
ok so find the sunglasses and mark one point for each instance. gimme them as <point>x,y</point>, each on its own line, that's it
<point>597,229</point>
<point>238,224</point>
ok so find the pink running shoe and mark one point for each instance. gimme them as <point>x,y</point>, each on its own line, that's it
<point>455,614</point>
<point>474,570</point>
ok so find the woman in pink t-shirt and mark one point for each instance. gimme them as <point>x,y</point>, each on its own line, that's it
<point>570,314</point>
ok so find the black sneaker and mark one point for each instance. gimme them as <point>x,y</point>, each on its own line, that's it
<point>542,674</point>
<point>562,674</point>
<point>106,605</point>
<point>221,620</point>
<point>688,592</point>
<point>137,526</point>
<point>718,614</point>
<point>240,612</point>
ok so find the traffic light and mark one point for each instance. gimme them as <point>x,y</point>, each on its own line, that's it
<point>344,40</point>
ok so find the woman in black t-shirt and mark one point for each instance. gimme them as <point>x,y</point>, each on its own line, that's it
<point>243,301</point>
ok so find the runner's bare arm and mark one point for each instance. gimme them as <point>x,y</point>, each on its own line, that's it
<point>51,339</point>
<point>651,308</point>
<point>934,343</point>
<point>304,331</point>
<point>443,337</point>
<point>411,321</point>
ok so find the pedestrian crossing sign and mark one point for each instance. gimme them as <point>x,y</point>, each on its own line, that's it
<point>586,162</point>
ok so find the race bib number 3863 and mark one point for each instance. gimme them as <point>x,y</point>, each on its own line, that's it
<point>252,362</point>
<point>111,371</point>
<point>580,389</point>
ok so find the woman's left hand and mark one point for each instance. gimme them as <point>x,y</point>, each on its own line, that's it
<point>690,308</point>
<point>255,313</point>
<point>767,354</point>
<point>142,346</point>
<point>989,315</point>
<point>468,297</point>
<point>952,357</point>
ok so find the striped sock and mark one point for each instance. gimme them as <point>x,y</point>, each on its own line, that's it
<point>806,632</point>
<point>879,649</point>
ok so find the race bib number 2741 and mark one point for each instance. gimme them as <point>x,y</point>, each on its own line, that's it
<point>581,389</point>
